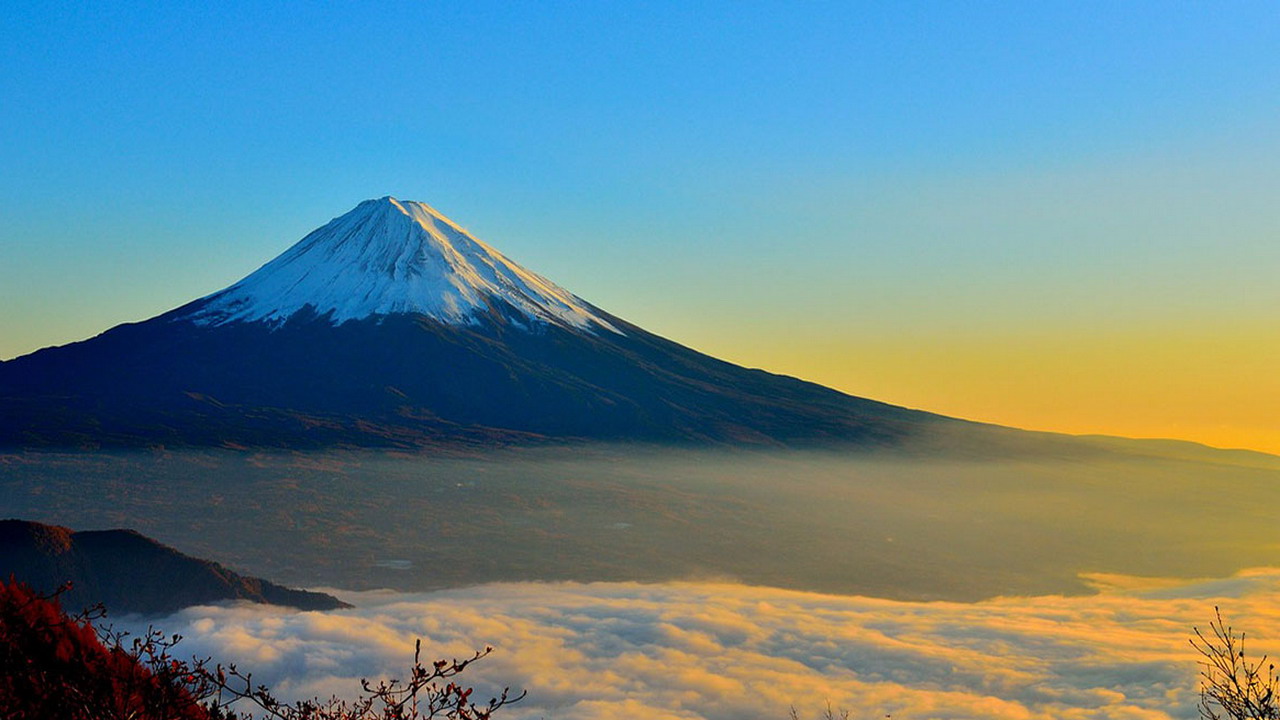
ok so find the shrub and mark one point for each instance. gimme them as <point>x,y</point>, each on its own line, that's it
<point>1229,682</point>
<point>53,665</point>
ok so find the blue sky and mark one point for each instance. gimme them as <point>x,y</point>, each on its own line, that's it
<point>874,196</point>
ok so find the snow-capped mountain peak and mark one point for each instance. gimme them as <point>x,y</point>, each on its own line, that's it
<point>389,257</point>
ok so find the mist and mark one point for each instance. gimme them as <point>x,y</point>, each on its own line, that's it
<point>942,527</point>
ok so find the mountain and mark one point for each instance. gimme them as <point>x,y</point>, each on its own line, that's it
<point>387,258</point>
<point>391,326</point>
<point>129,572</point>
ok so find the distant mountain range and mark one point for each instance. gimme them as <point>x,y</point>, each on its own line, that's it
<point>131,573</point>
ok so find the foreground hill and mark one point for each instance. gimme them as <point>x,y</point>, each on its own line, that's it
<point>391,326</point>
<point>129,572</point>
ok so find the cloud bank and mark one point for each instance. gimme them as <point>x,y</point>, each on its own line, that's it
<point>720,651</point>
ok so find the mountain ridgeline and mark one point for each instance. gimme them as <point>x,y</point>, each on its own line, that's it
<point>128,572</point>
<point>391,326</point>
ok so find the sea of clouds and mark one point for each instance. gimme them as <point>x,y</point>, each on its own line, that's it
<point>724,651</point>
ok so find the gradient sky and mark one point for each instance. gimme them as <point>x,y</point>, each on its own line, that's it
<point>1060,216</point>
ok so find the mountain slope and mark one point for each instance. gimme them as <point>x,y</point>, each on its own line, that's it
<point>129,572</point>
<point>391,326</point>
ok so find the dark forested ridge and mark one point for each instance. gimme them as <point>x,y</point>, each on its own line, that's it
<point>129,572</point>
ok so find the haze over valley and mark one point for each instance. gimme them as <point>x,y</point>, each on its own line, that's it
<point>912,528</point>
<point>1049,567</point>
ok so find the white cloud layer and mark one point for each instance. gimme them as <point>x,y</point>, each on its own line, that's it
<point>724,651</point>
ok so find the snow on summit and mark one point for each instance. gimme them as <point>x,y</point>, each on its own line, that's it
<point>389,257</point>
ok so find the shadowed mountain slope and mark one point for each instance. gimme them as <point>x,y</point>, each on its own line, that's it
<point>129,572</point>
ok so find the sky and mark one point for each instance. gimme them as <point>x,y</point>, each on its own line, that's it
<point>1058,216</point>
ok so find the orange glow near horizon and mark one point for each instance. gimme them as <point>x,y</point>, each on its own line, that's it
<point>1220,389</point>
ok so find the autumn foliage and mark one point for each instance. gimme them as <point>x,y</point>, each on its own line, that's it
<point>53,665</point>
<point>56,666</point>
